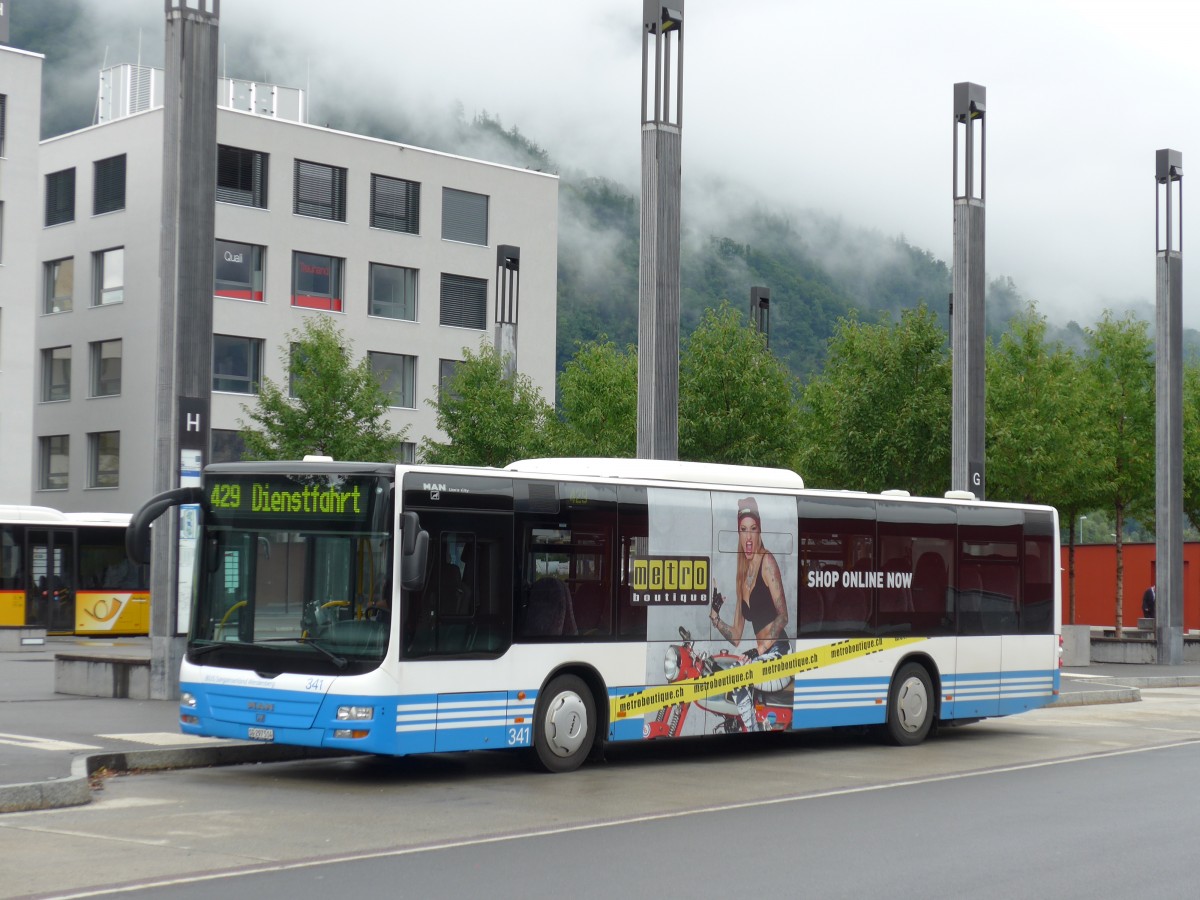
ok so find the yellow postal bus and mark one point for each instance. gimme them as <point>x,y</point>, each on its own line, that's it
<point>68,573</point>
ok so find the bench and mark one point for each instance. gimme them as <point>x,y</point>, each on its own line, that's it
<point>93,675</point>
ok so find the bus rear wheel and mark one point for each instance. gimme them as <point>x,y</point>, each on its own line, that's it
<point>564,724</point>
<point>910,706</point>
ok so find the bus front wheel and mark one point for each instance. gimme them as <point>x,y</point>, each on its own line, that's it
<point>910,706</point>
<point>564,724</point>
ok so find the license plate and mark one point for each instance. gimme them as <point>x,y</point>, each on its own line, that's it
<point>262,734</point>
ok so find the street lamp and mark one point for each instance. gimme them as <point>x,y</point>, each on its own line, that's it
<point>1081,518</point>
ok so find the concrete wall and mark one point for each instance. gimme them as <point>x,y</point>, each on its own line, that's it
<point>1096,584</point>
<point>20,204</point>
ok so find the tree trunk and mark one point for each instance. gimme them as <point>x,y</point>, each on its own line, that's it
<point>1071,571</point>
<point>1120,572</point>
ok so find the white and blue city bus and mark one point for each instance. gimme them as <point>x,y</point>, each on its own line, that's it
<point>558,604</point>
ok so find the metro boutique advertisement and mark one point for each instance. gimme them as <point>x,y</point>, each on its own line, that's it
<point>719,582</point>
<point>719,585</point>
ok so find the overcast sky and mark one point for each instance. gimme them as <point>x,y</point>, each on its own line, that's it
<point>841,107</point>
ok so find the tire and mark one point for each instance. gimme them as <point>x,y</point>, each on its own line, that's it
<point>564,724</point>
<point>910,706</point>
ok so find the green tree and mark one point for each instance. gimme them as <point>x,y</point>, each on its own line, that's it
<point>489,420</point>
<point>878,417</point>
<point>598,402</point>
<point>737,401</point>
<point>337,407</point>
<point>1041,446</point>
<point>1191,440</point>
<point>1120,376</point>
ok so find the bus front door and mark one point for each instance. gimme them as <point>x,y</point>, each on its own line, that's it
<point>50,589</point>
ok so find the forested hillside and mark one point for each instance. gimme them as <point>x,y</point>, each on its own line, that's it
<point>817,267</point>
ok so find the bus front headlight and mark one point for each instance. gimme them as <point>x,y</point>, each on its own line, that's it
<point>355,713</point>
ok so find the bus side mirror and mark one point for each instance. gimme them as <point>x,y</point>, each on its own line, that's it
<point>414,552</point>
<point>137,534</point>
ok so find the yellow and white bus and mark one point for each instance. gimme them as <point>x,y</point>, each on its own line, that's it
<point>68,573</point>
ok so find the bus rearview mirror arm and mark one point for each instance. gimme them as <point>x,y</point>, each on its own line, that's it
<point>137,535</point>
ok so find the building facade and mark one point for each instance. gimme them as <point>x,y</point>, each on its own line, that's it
<point>20,121</point>
<point>397,243</point>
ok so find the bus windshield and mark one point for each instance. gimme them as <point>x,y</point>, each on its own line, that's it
<point>294,572</point>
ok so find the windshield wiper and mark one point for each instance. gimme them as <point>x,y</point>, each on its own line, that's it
<point>339,661</point>
<point>209,648</point>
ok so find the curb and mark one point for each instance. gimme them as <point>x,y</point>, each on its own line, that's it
<point>1090,698</point>
<point>76,789</point>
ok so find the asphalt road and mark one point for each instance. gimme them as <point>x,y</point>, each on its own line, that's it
<point>1068,802</point>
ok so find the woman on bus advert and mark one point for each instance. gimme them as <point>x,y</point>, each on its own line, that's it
<point>720,614</point>
<point>760,599</point>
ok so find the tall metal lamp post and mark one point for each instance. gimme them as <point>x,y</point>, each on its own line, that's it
<point>966,320</point>
<point>658,262</point>
<point>760,312</point>
<point>1168,628</point>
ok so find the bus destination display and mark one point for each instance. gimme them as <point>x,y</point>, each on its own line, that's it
<point>341,499</point>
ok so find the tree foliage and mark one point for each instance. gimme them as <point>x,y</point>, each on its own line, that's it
<point>488,419</point>
<point>878,417</point>
<point>1031,443</point>
<point>1119,371</point>
<point>598,402</point>
<point>1191,440</point>
<point>737,401</point>
<point>336,407</point>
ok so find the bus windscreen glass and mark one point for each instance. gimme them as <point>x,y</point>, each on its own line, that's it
<point>294,566</point>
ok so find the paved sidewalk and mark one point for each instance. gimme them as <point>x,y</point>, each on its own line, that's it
<point>51,744</point>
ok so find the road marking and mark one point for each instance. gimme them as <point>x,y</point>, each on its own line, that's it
<point>201,878</point>
<point>31,742</point>
<point>161,738</point>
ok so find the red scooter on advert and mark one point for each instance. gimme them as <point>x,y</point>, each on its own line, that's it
<point>765,707</point>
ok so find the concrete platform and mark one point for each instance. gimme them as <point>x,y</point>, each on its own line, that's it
<point>19,638</point>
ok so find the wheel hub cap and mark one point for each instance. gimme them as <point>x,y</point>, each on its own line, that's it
<point>566,723</point>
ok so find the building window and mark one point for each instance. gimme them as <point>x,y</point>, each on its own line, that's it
<point>397,377</point>
<point>238,271</point>
<point>446,369</point>
<point>109,275</point>
<point>108,185</point>
<point>54,462</point>
<point>237,364</point>
<point>3,120</point>
<point>406,452</point>
<point>106,368</point>
<point>104,459</point>
<point>464,301</point>
<point>464,217</point>
<point>56,374</point>
<point>395,204</point>
<point>320,191</point>
<point>59,285</point>
<point>227,445</point>
<point>393,292</point>
<point>60,197</point>
<point>317,281</point>
<point>241,176</point>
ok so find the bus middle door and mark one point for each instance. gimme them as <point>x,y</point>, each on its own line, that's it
<point>50,588</point>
